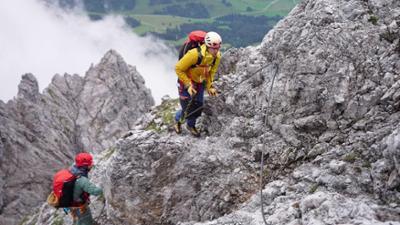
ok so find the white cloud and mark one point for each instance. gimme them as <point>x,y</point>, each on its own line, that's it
<point>44,41</point>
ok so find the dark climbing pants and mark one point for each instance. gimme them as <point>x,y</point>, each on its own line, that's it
<point>190,109</point>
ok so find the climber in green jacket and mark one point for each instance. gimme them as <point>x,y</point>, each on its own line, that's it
<point>83,189</point>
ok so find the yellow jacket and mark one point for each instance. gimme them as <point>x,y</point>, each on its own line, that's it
<point>203,72</point>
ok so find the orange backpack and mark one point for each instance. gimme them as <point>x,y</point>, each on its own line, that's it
<point>62,195</point>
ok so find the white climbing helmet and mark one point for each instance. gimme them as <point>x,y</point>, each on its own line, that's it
<point>213,40</point>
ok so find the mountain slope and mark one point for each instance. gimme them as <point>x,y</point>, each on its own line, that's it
<point>40,133</point>
<point>329,131</point>
<point>334,106</point>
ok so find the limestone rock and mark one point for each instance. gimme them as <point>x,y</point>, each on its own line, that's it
<point>40,133</point>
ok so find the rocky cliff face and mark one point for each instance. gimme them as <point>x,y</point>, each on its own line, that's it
<point>319,98</point>
<point>328,130</point>
<point>330,125</point>
<point>40,133</point>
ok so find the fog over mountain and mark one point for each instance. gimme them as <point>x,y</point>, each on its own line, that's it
<point>44,41</point>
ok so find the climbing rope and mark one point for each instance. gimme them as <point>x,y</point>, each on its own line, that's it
<point>265,122</point>
<point>262,152</point>
<point>229,90</point>
<point>102,209</point>
<point>185,114</point>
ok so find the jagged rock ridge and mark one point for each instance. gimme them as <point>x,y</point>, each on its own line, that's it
<point>328,130</point>
<point>40,133</point>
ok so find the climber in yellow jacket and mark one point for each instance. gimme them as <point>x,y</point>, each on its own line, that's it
<point>194,78</point>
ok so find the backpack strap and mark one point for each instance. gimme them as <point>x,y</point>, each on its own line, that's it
<point>199,57</point>
<point>185,48</point>
<point>213,63</point>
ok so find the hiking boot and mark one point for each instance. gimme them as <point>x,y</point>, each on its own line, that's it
<point>193,131</point>
<point>178,128</point>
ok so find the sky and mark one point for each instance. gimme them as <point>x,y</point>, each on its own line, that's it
<point>47,41</point>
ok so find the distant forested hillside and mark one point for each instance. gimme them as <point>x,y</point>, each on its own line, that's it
<point>240,23</point>
<point>236,30</point>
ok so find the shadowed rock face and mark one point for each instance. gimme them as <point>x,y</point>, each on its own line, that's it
<point>40,133</point>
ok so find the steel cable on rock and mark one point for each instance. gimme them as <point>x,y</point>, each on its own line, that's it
<point>186,115</point>
<point>262,152</point>
<point>102,199</point>
<point>265,122</point>
<point>229,90</point>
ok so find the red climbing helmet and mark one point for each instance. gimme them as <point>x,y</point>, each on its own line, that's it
<point>83,159</point>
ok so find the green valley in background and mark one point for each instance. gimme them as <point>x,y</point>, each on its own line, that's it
<point>240,22</point>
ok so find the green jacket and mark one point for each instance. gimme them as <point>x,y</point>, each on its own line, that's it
<point>82,184</point>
